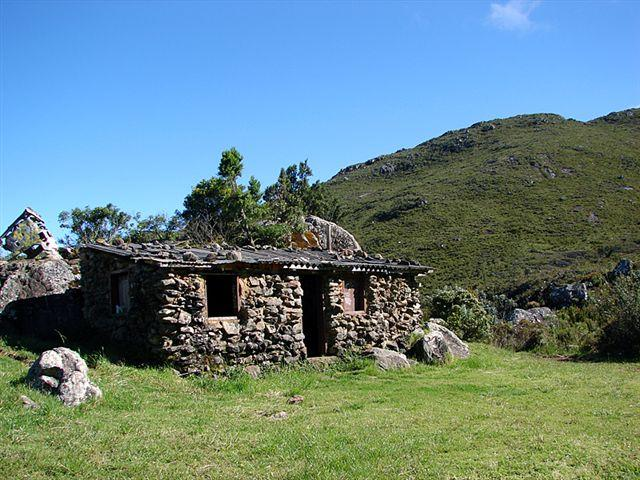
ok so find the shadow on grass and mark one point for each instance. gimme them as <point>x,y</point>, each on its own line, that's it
<point>86,344</point>
<point>593,358</point>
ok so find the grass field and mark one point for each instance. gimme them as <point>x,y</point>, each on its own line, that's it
<point>497,415</point>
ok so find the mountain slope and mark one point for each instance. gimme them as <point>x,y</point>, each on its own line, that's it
<point>504,202</point>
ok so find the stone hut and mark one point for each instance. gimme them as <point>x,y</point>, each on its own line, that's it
<point>203,309</point>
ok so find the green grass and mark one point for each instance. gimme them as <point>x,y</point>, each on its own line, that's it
<point>496,415</point>
<point>498,207</point>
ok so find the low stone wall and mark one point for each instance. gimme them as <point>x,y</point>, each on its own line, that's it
<point>392,312</point>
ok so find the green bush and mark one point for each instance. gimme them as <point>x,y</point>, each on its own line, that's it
<point>524,336</point>
<point>462,312</point>
<point>619,310</point>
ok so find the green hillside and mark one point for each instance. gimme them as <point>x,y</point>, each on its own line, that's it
<point>504,202</point>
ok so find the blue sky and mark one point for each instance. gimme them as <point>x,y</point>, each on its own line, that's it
<point>132,102</point>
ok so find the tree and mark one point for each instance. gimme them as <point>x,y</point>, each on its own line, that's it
<point>88,225</point>
<point>155,227</point>
<point>227,207</point>
<point>293,196</point>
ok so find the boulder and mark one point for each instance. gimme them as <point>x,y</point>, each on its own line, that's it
<point>331,236</point>
<point>432,348</point>
<point>457,347</point>
<point>567,295</point>
<point>540,315</point>
<point>389,360</point>
<point>40,298</point>
<point>23,279</point>
<point>63,372</point>
<point>623,268</point>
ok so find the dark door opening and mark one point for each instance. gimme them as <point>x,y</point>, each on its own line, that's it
<point>313,327</point>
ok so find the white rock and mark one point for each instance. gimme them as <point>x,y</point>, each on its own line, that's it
<point>63,372</point>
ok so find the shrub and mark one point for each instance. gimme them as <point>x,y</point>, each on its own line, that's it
<point>619,309</point>
<point>498,306</point>
<point>462,312</point>
<point>524,336</point>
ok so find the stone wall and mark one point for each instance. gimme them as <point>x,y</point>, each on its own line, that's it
<point>268,327</point>
<point>135,330</point>
<point>392,312</point>
<point>167,319</point>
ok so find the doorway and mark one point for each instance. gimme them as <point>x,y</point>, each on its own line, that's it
<point>313,325</point>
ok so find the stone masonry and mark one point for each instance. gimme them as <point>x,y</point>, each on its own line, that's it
<point>167,321</point>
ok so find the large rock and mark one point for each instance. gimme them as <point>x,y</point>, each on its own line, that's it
<point>40,297</point>
<point>540,315</point>
<point>63,372</point>
<point>432,348</point>
<point>457,347</point>
<point>567,295</point>
<point>331,236</point>
<point>623,268</point>
<point>22,279</point>
<point>389,360</point>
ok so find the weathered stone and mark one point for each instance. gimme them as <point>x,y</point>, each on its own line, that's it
<point>457,347</point>
<point>331,236</point>
<point>64,373</point>
<point>623,268</point>
<point>389,360</point>
<point>253,371</point>
<point>28,403</point>
<point>432,348</point>
<point>31,224</point>
<point>231,327</point>
<point>234,255</point>
<point>190,257</point>
<point>279,416</point>
<point>532,315</point>
<point>295,400</point>
<point>567,295</point>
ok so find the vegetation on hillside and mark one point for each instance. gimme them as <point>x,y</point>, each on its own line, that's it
<point>496,415</point>
<point>505,202</point>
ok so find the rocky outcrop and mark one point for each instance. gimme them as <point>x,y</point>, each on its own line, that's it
<point>566,295</point>
<point>64,373</point>
<point>533,315</point>
<point>29,235</point>
<point>389,360</point>
<point>22,279</point>
<point>331,236</point>
<point>40,298</point>
<point>622,269</point>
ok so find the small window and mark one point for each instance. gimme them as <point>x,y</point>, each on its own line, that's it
<point>354,295</point>
<point>120,298</point>
<point>222,296</point>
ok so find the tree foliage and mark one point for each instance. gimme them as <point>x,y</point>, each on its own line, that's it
<point>222,209</point>
<point>89,225</point>
<point>462,311</point>
<point>155,227</point>
<point>230,209</point>
<point>218,209</point>
<point>293,196</point>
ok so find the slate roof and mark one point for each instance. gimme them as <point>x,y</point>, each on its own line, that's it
<point>172,255</point>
